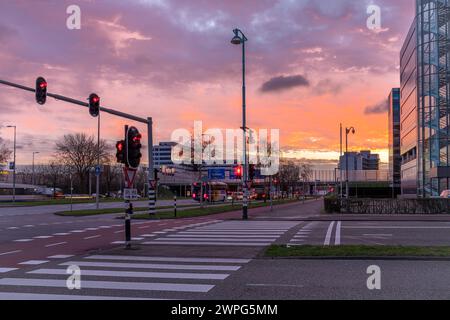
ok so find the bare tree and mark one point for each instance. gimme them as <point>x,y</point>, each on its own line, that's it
<point>5,152</point>
<point>79,151</point>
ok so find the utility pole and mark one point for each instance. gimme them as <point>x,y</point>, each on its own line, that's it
<point>15,166</point>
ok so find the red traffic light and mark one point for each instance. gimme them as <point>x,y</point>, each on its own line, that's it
<point>94,104</point>
<point>41,90</point>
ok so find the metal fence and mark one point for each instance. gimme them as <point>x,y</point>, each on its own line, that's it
<point>387,206</point>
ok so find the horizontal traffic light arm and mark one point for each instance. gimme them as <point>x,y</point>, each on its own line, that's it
<point>77,102</point>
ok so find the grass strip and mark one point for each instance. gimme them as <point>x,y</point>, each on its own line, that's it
<point>283,251</point>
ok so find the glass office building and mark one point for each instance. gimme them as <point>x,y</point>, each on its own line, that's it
<point>395,158</point>
<point>425,90</point>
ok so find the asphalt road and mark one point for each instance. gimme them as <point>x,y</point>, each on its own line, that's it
<point>213,257</point>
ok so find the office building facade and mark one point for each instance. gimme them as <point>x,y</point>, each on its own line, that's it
<point>364,160</point>
<point>395,158</point>
<point>162,154</point>
<point>425,93</point>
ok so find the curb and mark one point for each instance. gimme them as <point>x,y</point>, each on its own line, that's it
<point>386,258</point>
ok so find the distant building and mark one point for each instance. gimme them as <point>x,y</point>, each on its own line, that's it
<point>162,154</point>
<point>364,160</point>
<point>395,157</point>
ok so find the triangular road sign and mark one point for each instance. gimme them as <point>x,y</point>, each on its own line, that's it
<point>129,174</point>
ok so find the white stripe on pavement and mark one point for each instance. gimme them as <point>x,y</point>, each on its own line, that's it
<point>58,297</point>
<point>209,243</point>
<point>5,270</point>
<point>337,239</point>
<point>221,236</point>
<point>328,235</point>
<point>87,284</point>
<point>137,274</point>
<point>61,256</point>
<point>33,262</point>
<point>167,259</point>
<point>151,266</point>
<point>215,239</point>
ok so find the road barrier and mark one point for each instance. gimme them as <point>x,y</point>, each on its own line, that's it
<point>387,206</point>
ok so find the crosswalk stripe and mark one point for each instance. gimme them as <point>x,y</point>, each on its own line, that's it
<point>87,284</point>
<point>208,243</point>
<point>167,259</point>
<point>151,266</point>
<point>220,235</point>
<point>135,274</point>
<point>43,296</point>
<point>214,239</point>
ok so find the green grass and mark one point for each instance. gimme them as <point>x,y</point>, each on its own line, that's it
<point>207,210</point>
<point>66,201</point>
<point>357,251</point>
<point>93,212</point>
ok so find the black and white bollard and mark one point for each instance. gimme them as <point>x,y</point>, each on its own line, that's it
<point>128,214</point>
<point>175,206</point>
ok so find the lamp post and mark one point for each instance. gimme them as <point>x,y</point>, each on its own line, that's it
<point>238,39</point>
<point>347,132</point>
<point>14,169</point>
<point>32,177</point>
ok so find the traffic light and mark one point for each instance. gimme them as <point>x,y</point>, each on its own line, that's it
<point>238,172</point>
<point>94,105</point>
<point>120,151</point>
<point>251,172</point>
<point>133,147</point>
<point>41,90</point>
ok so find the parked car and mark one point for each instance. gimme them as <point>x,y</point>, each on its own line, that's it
<point>445,194</point>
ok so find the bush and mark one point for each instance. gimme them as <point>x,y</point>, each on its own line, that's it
<point>332,204</point>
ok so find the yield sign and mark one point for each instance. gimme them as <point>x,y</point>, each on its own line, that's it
<point>129,174</point>
<point>153,184</point>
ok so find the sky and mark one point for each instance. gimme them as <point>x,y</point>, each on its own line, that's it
<point>311,65</point>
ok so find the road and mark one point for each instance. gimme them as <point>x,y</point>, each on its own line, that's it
<point>215,257</point>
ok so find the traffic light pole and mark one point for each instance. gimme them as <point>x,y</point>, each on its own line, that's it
<point>97,175</point>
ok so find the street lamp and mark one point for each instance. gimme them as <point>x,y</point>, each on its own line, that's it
<point>347,132</point>
<point>14,168</point>
<point>32,178</point>
<point>238,39</point>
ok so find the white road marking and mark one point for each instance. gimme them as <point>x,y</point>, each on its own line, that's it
<point>92,237</point>
<point>23,240</point>
<point>215,239</point>
<point>58,297</point>
<point>184,243</point>
<point>55,244</point>
<point>29,226</point>
<point>328,235</point>
<point>61,234</point>
<point>33,262</point>
<point>148,235</point>
<point>137,274</point>
<point>136,286</point>
<point>77,231</point>
<point>43,237</point>
<point>91,229</point>
<point>120,231</point>
<point>10,252</point>
<point>5,270</point>
<point>61,256</point>
<point>13,228</point>
<point>221,236</point>
<point>167,259</point>
<point>377,235</point>
<point>151,266</point>
<point>337,238</point>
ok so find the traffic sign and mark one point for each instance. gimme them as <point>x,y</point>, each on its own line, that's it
<point>248,184</point>
<point>97,171</point>
<point>12,165</point>
<point>152,184</point>
<point>130,194</point>
<point>129,174</point>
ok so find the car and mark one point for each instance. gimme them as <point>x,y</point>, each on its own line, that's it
<point>445,194</point>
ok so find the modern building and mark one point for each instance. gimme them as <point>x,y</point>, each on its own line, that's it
<point>364,160</point>
<point>162,154</point>
<point>395,157</point>
<point>425,94</point>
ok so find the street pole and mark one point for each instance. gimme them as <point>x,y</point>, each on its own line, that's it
<point>71,194</point>
<point>237,40</point>
<point>152,182</point>
<point>340,167</point>
<point>97,173</point>
<point>14,168</point>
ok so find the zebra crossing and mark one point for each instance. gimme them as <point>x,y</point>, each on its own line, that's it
<point>228,233</point>
<point>302,236</point>
<point>112,277</point>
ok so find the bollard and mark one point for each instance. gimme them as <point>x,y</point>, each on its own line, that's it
<point>175,205</point>
<point>128,214</point>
